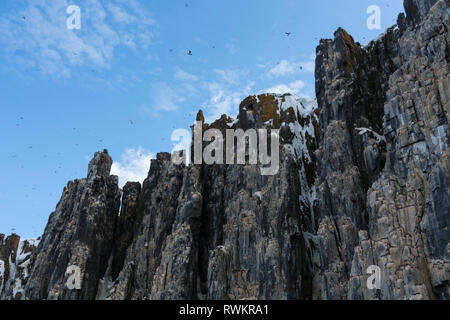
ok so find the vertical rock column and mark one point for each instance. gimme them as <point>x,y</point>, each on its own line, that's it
<point>78,236</point>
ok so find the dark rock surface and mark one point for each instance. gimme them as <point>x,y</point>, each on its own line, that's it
<point>363,180</point>
<point>392,213</point>
<point>79,233</point>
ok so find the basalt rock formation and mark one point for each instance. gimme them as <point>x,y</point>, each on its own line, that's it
<point>363,180</point>
<point>383,193</point>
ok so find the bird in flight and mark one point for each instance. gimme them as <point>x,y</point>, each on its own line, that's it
<point>189,53</point>
<point>288,33</point>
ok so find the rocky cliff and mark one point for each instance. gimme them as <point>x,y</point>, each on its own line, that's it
<point>15,258</point>
<point>363,180</point>
<point>383,176</point>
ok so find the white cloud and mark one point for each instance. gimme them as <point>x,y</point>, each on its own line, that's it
<point>37,36</point>
<point>309,66</point>
<point>183,75</point>
<point>230,76</point>
<point>225,99</point>
<point>232,47</point>
<point>165,98</point>
<point>133,167</point>
<point>285,67</point>
<point>119,15</point>
<point>293,87</point>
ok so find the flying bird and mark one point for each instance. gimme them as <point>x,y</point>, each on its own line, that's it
<point>189,53</point>
<point>288,33</point>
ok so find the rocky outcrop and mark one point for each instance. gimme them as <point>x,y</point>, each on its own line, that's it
<point>196,216</point>
<point>363,181</point>
<point>15,265</point>
<point>394,209</point>
<point>79,236</point>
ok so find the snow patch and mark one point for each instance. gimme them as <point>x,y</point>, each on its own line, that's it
<point>230,125</point>
<point>258,195</point>
<point>301,106</point>
<point>299,147</point>
<point>18,271</point>
<point>2,273</point>
<point>363,131</point>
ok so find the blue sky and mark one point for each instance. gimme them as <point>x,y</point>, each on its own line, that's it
<point>124,81</point>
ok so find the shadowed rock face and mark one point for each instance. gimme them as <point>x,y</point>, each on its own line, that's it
<point>363,180</point>
<point>416,10</point>
<point>194,218</point>
<point>127,226</point>
<point>79,233</point>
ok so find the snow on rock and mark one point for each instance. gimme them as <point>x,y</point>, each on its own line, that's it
<point>303,131</point>
<point>2,273</point>
<point>363,131</point>
<point>302,106</point>
<point>12,282</point>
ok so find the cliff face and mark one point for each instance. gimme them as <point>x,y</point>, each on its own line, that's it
<point>384,196</point>
<point>225,231</point>
<point>79,233</point>
<point>363,180</point>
